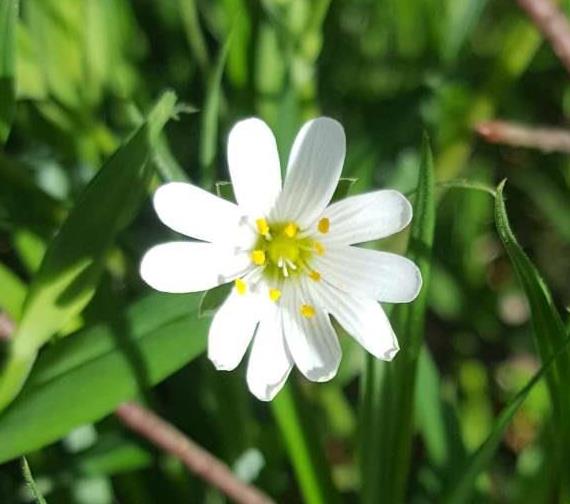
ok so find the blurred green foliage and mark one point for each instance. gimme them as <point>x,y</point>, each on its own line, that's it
<point>78,131</point>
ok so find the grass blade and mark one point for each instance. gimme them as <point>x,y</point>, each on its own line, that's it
<point>548,327</point>
<point>465,484</point>
<point>31,484</point>
<point>70,271</point>
<point>388,405</point>
<point>301,441</point>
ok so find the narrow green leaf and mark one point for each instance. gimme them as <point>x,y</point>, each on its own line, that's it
<point>210,115</point>
<point>342,189</point>
<point>71,268</point>
<point>30,483</point>
<point>85,376</point>
<point>8,20</point>
<point>301,440</point>
<point>461,19</point>
<point>211,300</point>
<point>388,398</point>
<point>464,485</point>
<point>548,327</point>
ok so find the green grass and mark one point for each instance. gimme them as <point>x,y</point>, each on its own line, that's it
<point>101,101</point>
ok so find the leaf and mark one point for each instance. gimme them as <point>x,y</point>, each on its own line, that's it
<point>462,18</point>
<point>75,259</point>
<point>85,376</point>
<point>211,300</point>
<point>548,328</point>
<point>301,441</point>
<point>30,483</point>
<point>8,20</point>
<point>12,292</point>
<point>388,399</point>
<point>211,112</point>
<point>464,484</point>
<point>342,189</point>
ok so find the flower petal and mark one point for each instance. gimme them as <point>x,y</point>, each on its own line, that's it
<point>313,171</point>
<point>366,217</point>
<point>362,318</point>
<point>312,340</point>
<point>387,277</point>
<point>232,329</point>
<point>191,266</point>
<point>269,361</point>
<point>254,166</point>
<point>194,212</point>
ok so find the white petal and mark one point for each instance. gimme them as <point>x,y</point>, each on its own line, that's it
<point>313,342</point>
<point>386,277</point>
<point>366,217</point>
<point>269,361</point>
<point>232,329</point>
<point>362,318</point>
<point>313,171</point>
<point>194,212</point>
<point>254,166</point>
<point>191,266</point>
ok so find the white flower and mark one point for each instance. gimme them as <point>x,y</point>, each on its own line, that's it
<point>290,255</point>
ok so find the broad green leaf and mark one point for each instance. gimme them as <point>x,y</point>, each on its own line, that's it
<point>301,440</point>
<point>8,20</point>
<point>84,377</point>
<point>75,259</point>
<point>388,399</point>
<point>464,485</point>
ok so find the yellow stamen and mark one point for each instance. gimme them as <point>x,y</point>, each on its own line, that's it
<point>319,248</point>
<point>258,257</point>
<point>241,286</point>
<point>315,275</point>
<point>291,230</point>
<point>274,295</point>
<point>307,311</point>
<point>324,225</point>
<point>262,227</point>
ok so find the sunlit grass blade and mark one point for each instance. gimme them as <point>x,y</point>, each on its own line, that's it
<point>301,439</point>
<point>85,376</point>
<point>75,259</point>
<point>12,292</point>
<point>8,20</point>
<point>464,485</point>
<point>388,407</point>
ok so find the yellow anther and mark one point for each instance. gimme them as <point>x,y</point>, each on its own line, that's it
<point>315,275</point>
<point>241,286</point>
<point>262,227</point>
<point>258,257</point>
<point>274,295</point>
<point>307,311</point>
<point>291,230</point>
<point>324,225</point>
<point>319,248</point>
